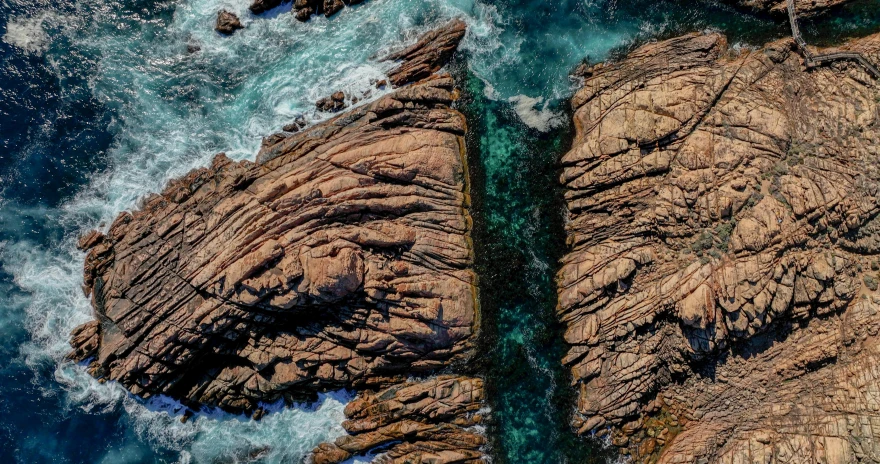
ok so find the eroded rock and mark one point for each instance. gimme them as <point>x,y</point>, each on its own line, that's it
<point>803,7</point>
<point>425,57</point>
<point>722,240</point>
<point>340,258</point>
<point>414,422</point>
<point>304,9</point>
<point>227,23</point>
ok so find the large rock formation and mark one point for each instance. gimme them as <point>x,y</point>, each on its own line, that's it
<point>340,258</point>
<point>720,292</point>
<point>426,422</point>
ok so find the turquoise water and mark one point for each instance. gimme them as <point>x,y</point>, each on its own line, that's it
<point>102,102</point>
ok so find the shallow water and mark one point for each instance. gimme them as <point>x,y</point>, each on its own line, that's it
<point>102,102</point>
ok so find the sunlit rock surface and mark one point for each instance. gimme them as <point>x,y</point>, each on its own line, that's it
<point>720,290</point>
<point>340,258</point>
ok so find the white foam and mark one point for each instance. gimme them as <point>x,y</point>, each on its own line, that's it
<point>28,33</point>
<point>534,115</point>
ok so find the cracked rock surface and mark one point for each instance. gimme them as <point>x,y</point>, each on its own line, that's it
<point>340,258</point>
<point>431,421</point>
<point>720,289</point>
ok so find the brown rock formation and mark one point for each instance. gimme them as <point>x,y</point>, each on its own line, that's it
<point>720,292</point>
<point>304,9</point>
<point>340,258</point>
<point>227,23</point>
<point>262,6</point>
<point>334,102</point>
<point>430,53</point>
<point>424,422</point>
<point>803,7</point>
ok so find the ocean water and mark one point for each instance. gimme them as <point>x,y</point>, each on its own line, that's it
<point>103,101</point>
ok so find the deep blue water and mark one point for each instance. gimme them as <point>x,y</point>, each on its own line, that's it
<point>101,102</point>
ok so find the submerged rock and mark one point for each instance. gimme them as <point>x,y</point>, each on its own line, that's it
<point>227,23</point>
<point>339,259</point>
<point>428,421</point>
<point>723,243</point>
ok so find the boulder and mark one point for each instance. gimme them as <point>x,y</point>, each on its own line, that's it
<point>227,23</point>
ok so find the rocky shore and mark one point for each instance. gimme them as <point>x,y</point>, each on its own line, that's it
<point>340,258</point>
<point>721,288</point>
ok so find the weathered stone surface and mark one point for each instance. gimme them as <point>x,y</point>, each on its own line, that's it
<point>227,23</point>
<point>431,421</point>
<point>803,7</point>
<point>340,258</point>
<point>425,57</point>
<point>720,292</point>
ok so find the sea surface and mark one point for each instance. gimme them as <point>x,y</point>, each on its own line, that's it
<point>103,101</point>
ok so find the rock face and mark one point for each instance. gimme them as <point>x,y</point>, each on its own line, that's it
<point>426,422</point>
<point>720,292</point>
<point>340,258</point>
<point>227,23</point>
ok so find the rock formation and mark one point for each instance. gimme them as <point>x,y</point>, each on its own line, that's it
<point>427,55</point>
<point>340,258</point>
<point>804,7</point>
<point>426,422</point>
<point>227,23</point>
<point>304,9</point>
<point>721,288</point>
<point>334,102</point>
<point>262,6</point>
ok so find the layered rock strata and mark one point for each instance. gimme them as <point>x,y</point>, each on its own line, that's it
<point>434,421</point>
<point>721,288</point>
<point>340,258</point>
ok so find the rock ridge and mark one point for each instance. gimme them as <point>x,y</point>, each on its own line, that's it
<point>341,258</point>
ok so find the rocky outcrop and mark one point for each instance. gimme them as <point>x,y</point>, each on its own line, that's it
<point>304,9</point>
<point>778,7</point>
<point>425,57</point>
<point>340,258</point>
<point>415,422</point>
<point>334,102</point>
<point>227,23</point>
<point>720,290</point>
<point>262,6</point>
